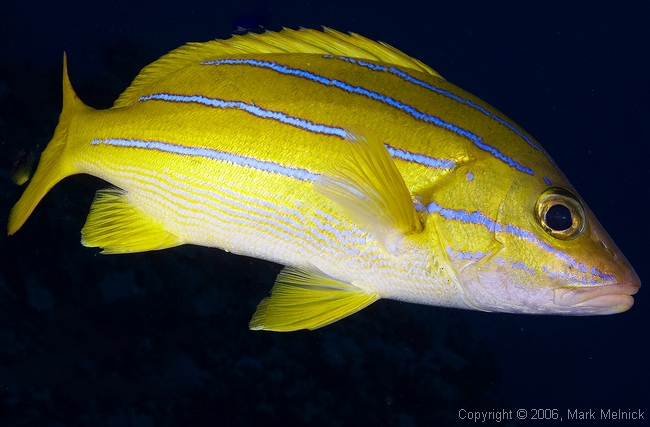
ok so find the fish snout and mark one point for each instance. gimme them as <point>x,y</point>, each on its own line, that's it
<point>605,299</point>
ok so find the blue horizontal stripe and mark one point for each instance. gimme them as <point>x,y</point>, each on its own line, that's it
<point>407,77</point>
<point>461,255</point>
<point>478,218</point>
<point>295,121</point>
<point>446,93</point>
<point>379,97</point>
<point>249,108</point>
<point>421,159</point>
<point>297,173</point>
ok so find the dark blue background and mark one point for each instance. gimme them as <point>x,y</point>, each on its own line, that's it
<point>573,74</point>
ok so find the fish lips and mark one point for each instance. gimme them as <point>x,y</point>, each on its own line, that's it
<point>604,299</point>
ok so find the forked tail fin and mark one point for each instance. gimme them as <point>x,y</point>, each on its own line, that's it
<point>54,164</point>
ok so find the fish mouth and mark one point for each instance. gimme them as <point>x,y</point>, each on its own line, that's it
<point>606,299</point>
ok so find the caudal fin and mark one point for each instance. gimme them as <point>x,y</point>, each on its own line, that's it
<point>54,165</point>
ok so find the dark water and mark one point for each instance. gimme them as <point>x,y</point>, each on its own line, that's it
<point>162,339</point>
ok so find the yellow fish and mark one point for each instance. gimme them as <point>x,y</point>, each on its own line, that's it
<point>22,169</point>
<point>358,167</point>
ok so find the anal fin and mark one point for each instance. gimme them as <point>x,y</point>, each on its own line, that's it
<point>306,298</point>
<point>116,226</point>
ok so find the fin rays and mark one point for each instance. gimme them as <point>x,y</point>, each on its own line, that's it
<point>328,42</point>
<point>306,298</point>
<point>366,183</point>
<point>117,226</point>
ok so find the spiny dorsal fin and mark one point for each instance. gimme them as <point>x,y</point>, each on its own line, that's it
<point>328,42</point>
<point>307,298</point>
<point>366,183</point>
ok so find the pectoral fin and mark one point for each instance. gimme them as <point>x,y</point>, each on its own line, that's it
<point>366,183</point>
<point>305,298</point>
<point>117,226</point>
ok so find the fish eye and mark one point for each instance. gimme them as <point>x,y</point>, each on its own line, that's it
<point>560,213</point>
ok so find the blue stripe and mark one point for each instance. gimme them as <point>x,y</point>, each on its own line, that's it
<point>297,122</point>
<point>420,158</point>
<point>460,255</point>
<point>521,266</point>
<point>450,95</point>
<point>249,108</point>
<point>478,218</point>
<point>297,173</point>
<point>379,97</point>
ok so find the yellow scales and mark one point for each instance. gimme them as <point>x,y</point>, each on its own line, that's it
<point>359,168</point>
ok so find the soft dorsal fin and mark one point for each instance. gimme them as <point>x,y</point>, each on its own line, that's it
<point>328,42</point>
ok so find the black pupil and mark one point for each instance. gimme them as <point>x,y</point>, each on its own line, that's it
<point>558,218</point>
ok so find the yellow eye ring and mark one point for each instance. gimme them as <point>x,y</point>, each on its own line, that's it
<point>560,213</point>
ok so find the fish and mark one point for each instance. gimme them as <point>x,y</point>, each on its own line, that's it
<point>360,169</point>
<point>22,170</point>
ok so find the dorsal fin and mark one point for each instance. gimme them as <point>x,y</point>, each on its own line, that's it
<point>329,42</point>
